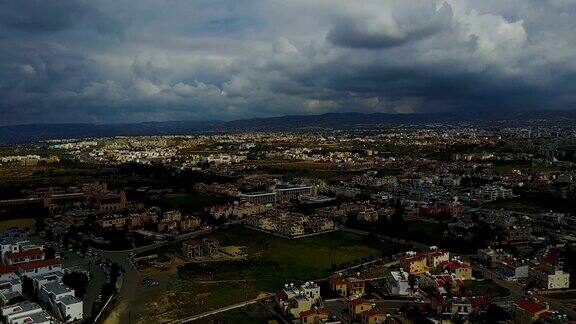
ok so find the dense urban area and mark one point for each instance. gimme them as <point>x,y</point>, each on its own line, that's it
<point>403,224</point>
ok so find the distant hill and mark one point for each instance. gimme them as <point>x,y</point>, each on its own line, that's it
<point>38,132</point>
<point>348,120</point>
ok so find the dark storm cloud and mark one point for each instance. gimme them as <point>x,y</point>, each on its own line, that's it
<point>114,61</point>
<point>395,28</point>
<point>40,16</point>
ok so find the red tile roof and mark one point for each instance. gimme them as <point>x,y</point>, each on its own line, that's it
<point>413,258</point>
<point>192,242</point>
<point>530,306</point>
<point>24,254</point>
<point>453,265</point>
<point>334,281</point>
<point>39,264</point>
<point>6,269</point>
<point>358,301</point>
<point>314,311</point>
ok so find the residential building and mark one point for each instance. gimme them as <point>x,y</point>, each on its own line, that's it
<point>398,283</point>
<point>414,264</point>
<point>24,256</point>
<point>549,277</point>
<point>358,306</point>
<point>511,269</point>
<point>10,289</point>
<point>461,270</point>
<point>294,300</point>
<point>373,316</point>
<point>7,272</point>
<point>39,267</point>
<point>528,310</point>
<point>24,313</point>
<point>338,285</point>
<point>259,197</point>
<point>315,315</point>
<point>62,301</point>
<point>436,257</point>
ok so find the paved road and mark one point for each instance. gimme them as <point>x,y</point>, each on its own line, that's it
<point>132,278</point>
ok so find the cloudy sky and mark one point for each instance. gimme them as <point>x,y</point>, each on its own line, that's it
<point>106,61</point>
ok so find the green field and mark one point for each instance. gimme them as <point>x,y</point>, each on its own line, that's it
<point>317,170</point>
<point>275,261</point>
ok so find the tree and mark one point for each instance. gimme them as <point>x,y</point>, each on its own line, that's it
<point>77,281</point>
<point>412,282</point>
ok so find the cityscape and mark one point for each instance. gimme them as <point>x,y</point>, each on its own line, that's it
<point>404,225</point>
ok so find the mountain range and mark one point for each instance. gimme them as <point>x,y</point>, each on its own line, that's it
<point>39,132</point>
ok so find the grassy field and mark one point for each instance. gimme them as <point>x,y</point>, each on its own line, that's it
<point>324,171</point>
<point>183,298</point>
<point>278,261</point>
<point>273,261</point>
<point>14,175</point>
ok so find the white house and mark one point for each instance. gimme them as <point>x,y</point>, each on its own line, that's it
<point>398,283</point>
<point>24,313</point>
<point>7,272</point>
<point>33,268</point>
<point>549,277</point>
<point>9,289</point>
<point>61,301</point>
<point>45,278</point>
<point>294,300</point>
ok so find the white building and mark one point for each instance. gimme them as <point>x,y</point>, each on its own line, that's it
<point>549,277</point>
<point>7,272</point>
<point>397,283</point>
<point>14,245</point>
<point>61,301</point>
<point>9,289</point>
<point>259,197</point>
<point>45,278</point>
<point>492,192</point>
<point>25,313</point>
<point>34,268</point>
<point>294,300</point>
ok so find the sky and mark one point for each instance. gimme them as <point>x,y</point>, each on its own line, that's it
<point>110,61</point>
